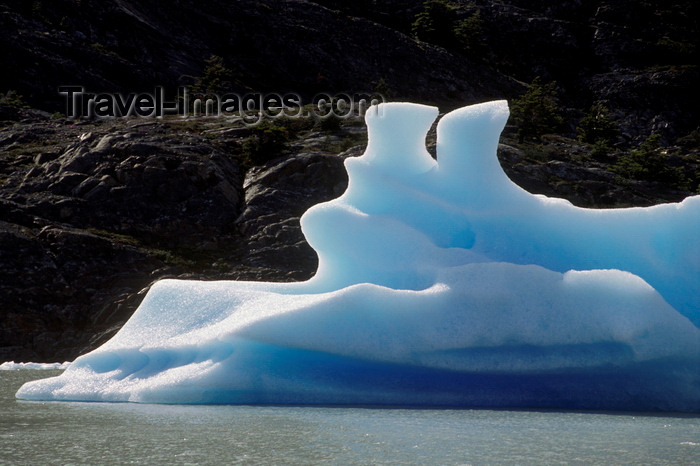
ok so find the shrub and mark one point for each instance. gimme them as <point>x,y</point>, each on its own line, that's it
<point>601,149</point>
<point>13,99</point>
<point>329,123</point>
<point>214,79</point>
<point>649,163</point>
<point>435,23</point>
<point>691,140</point>
<point>597,126</point>
<point>294,125</point>
<point>381,88</point>
<point>268,142</point>
<point>537,112</point>
<point>469,34</point>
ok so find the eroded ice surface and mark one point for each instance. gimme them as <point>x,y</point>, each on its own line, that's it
<point>439,283</point>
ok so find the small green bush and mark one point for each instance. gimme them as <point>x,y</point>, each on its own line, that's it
<point>469,34</point>
<point>537,112</point>
<point>649,163</point>
<point>329,123</point>
<point>597,126</point>
<point>13,99</point>
<point>601,149</point>
<point>294,125</point>
<point>691,140</point>
<point>435,23</point>
<point>215,78</point>
<point>268,142</point>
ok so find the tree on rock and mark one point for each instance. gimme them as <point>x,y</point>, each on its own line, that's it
<point>435,23</point>
<point>596,125</point>
<point>537,111</point>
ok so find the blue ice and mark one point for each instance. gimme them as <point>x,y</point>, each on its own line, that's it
<point>439,283</point>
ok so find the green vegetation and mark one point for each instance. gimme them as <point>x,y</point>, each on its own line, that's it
<point>216,78</point>
<point>596,125</point>
<point>597,128</point>
<point>13,99</point>
<point>650,162</point>
<point>267,142</point>
<point>296,125</point>
<point>673,39</point>
<point>382,88</point>
<point>438,23</point>
<point>469,34</point>
<point>537,111</point>
<point>601,149</point>
<point>336,146</point>
<point>690,141</point>
<point>181,255</point>
<point>329,123</point>
<point>120,238</point>
<point>435,23</point>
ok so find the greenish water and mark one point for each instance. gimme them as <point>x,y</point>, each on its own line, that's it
<point>35,433</point>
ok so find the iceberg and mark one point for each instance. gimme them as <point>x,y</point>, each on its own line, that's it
<point>440,283</point>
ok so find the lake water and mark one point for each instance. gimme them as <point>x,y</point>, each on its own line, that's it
<point>101,433</point>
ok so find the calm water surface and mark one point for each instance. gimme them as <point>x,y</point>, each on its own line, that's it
<point>100,433</point>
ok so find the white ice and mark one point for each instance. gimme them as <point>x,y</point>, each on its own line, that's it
<point>439,283</point>
<point>42,366</point>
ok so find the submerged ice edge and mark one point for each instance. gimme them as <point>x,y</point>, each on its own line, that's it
<point>442,270</point>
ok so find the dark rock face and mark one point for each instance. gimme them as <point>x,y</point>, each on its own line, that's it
<point>655,101</point>
<point>60,287</point>
<point>639,59</point>
<point>95,219</point>
<point>269,46</point>
<point>134,181</point>
<point>276,197</point>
